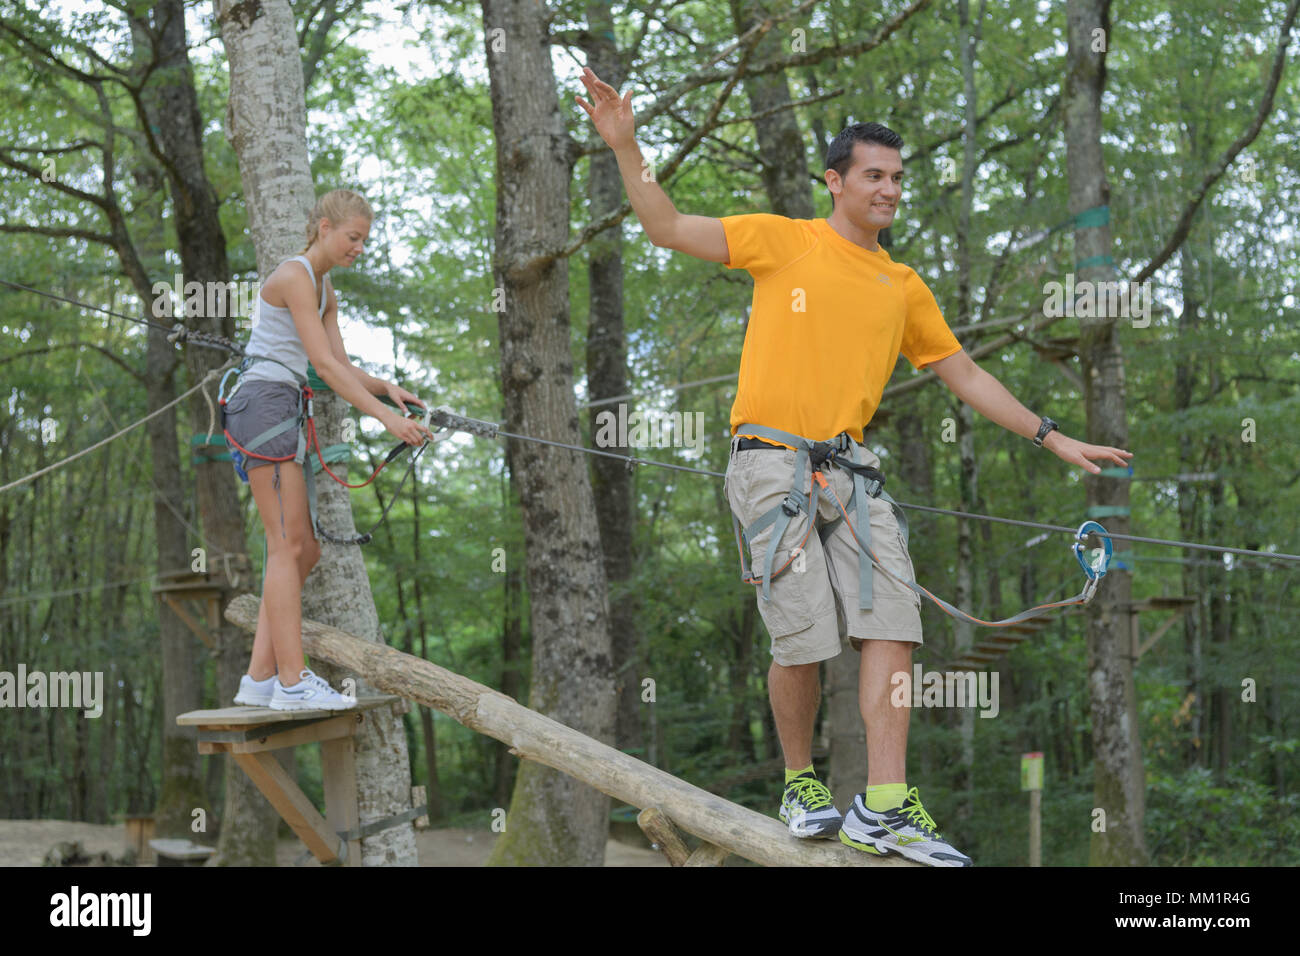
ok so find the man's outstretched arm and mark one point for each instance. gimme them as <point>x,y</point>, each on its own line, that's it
<point>699,236</point>
<point>984,393</point>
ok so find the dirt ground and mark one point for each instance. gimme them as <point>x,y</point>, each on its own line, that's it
<point>25,842</point>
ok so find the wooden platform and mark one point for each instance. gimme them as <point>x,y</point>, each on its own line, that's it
<point>248,734</point>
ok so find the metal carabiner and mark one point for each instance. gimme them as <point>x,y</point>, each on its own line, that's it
<point>237,370</point>
<point>1097,570</point>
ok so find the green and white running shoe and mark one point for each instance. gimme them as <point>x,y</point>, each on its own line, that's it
<point>907,830</point>
<point>808,808</point>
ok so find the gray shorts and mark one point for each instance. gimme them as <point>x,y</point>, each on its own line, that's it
<point>814,603</point>
<point>257,406</point>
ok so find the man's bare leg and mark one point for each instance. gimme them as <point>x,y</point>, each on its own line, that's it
<point>795,692</point>
<point>886,724</point>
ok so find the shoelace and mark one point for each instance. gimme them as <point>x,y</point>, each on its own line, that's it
<point>320,682</point>
<point>810,792</point>
<point>916,813</point>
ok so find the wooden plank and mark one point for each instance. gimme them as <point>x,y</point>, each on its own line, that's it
<point>661,833</point>
<point>291,803</point>
<point>533,736</point>
<point>241,716</point>
<point>339,770</point>
<point>336,728</point>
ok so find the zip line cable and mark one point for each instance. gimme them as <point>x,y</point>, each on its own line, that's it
<point>446,418</point>
<point>212,374</point>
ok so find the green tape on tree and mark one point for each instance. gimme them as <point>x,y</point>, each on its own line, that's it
<point>1092,218</point>
<point>201,441</point>
<point>1108,511</point>
<point>318,385</point>
<point>333,454</point>
<point>1093,262</point>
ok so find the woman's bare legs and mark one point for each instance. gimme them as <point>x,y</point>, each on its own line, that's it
<point>291,553</point>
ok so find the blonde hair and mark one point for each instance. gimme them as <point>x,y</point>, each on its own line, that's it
<point>337,205</point>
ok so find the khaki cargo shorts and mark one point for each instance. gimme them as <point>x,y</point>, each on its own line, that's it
<point>812,610</point>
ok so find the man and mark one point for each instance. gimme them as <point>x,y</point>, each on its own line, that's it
<point>831,314</point>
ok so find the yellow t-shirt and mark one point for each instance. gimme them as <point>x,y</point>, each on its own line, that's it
<point>828,322</point>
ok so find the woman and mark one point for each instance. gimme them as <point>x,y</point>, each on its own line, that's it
<point>298,321</point>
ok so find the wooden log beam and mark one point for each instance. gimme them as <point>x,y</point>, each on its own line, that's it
<point>663,836</point>
<point>706,854</point>
<point>536,737</point>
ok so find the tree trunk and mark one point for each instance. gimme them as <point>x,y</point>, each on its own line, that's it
<point>553,819</point>
<point>267,127</point>
<point>1185,375</point>
<point>173,110</point>
<point>182,785</point>
<point>611,480</point>
<point>1119,783</point>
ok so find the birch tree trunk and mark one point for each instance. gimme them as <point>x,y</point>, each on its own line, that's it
<point>1118,781</point>
<point>553,819</point>
<point>266,123</point>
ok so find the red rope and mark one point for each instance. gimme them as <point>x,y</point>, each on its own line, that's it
<point>312,437</point>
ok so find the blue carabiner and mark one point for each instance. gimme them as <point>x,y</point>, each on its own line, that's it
<point>237,371</point>
<point>1098,570</point>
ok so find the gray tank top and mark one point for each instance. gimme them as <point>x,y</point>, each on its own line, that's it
<point>276,337</point>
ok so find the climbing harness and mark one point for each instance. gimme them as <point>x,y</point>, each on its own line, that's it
<point>305,422</point>
<point>868,482</point>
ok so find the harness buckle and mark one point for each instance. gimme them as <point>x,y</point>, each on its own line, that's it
<point>875,482</point>
<point>791,504</point>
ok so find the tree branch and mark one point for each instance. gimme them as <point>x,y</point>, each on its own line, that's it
<point>58,232</point>
<point>1184,224</point>
<point>111,356</point>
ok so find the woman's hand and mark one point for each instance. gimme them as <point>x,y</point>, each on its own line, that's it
<point>407,429</point>
<point>400,396</point>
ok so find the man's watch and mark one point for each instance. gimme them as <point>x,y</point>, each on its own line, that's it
<point>1043,430</point>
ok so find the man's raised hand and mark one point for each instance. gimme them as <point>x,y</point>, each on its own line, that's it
<point>611,115</point>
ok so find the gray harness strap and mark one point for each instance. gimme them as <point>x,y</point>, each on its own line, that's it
<point>780,516</point>
<point>864,488</point>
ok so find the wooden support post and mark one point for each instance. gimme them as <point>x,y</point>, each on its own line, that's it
<point>707,854</point>
<point>1035,828</point>
<point>291,803</point>
<point>661,833</point>
<point>250,734</point>
<point>338,767</point>
<point>190,622</point>
<point>664,836</point>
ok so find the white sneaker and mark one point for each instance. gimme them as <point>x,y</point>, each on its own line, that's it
<point>255,693</point>
<point>310,693</point>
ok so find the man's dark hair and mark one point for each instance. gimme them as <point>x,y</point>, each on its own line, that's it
<point>839,155</point>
